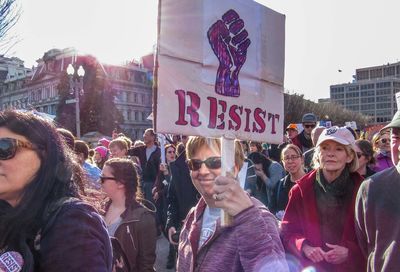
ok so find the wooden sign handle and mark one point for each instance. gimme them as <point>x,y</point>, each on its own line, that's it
<point>227,168</point>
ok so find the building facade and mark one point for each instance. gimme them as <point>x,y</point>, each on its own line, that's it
<point>372,93</point>
<point>37,89</point>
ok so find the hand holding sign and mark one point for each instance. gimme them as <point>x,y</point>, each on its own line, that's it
<point>229,41</point>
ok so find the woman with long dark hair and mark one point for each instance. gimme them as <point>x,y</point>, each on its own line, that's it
<point>268,174</point>
<point>42,215</point>
<point>127,219</point>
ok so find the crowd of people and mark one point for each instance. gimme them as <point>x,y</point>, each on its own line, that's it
<point>323,200</point>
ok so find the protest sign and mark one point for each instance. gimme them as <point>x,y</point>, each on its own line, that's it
<point>220,70</point>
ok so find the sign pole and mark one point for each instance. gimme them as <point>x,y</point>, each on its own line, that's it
<point>228,169</point>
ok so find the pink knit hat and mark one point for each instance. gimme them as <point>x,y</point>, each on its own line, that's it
<point>102,151</point>
<point>104,142</point>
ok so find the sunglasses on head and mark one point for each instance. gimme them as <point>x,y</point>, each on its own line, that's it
<point>103,178</point>
<point>211,163</point>
<point>309,126</point>
<point>9,147</point>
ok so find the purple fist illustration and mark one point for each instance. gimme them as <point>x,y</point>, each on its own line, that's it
<point>229,41</point>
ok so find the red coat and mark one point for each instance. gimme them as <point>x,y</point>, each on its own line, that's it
<point>301,222</point>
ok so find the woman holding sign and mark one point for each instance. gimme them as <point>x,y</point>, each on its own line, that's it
<point>250,243</point>
<point>318,225</point>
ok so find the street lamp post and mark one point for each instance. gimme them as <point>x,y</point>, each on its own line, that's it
<point>76,87</point>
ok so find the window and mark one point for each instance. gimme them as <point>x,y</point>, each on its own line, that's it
<point>382,98</point>
<point>384,106</point>
<point>367,86</point>
<point>389,71</point>
<point>383,92</point>
<point>382,85</point>
<point>136,116</point>
<point>376,73</point>
<point>368,107</point>
<point>368,93</point>
<point>362,75</point>
<point>368,100</point>
<point>349,95</point>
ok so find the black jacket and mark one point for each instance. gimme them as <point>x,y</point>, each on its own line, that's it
<point>149,167</point>
<point>182,195</point>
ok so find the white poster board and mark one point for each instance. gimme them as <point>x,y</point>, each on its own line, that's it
<point>220,70</point>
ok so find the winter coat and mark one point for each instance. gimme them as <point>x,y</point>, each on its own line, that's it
<point>301,223</point>
<point>182,195</point>
<point>137,235</point>
<point>378,220</point>
<point>251,243</point>
<point>75,239</point>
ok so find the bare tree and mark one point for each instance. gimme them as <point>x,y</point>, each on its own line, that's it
<point>9,15</point>
<point>296,106</point>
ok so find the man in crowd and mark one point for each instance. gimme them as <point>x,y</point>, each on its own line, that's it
<point>378,211</point>
<point>149,157</point>
<point>303,140</point>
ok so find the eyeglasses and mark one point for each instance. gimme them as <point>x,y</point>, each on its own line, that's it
<point>360,154</point>
<point>9,147</point>
<point>211,163</point>
<point>103,178</point>
<point>291,158</point>
<point>309,126</point>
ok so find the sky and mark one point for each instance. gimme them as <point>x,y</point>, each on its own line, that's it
<point>322,37</point>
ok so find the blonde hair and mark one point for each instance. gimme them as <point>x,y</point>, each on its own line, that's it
<point>196,142</point>
<point>353,165</point>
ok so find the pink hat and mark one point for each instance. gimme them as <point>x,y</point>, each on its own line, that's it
<point>104,142</point>
<point>340,135</point>
<point>102,151</point>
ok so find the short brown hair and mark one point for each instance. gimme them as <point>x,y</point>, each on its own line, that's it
<point>119,142</point>
<point>295,148</point>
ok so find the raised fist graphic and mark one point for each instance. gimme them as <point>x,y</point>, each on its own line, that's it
<point>229,41</point>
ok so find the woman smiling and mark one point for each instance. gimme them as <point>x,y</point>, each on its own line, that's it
<point>251,243</point>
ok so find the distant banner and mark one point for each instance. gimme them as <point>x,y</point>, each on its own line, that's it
<point>220,70</point>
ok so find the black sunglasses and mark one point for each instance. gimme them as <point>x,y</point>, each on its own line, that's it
<point>309,126</point>
<point>211,163</point>
<point>103,178</point>
<point>9,147</point>
<point>359,154</point>
<point>384,141</point>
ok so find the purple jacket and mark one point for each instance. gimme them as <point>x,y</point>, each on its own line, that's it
<point>382,162</point>
<point>251,243</point>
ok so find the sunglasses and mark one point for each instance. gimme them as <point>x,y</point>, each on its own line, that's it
<point>359,154</point>
<point>309,126</point>
<point>384,141</point>
<point>211,163</point>
<point>103,178</point>
<point>9,147</point>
